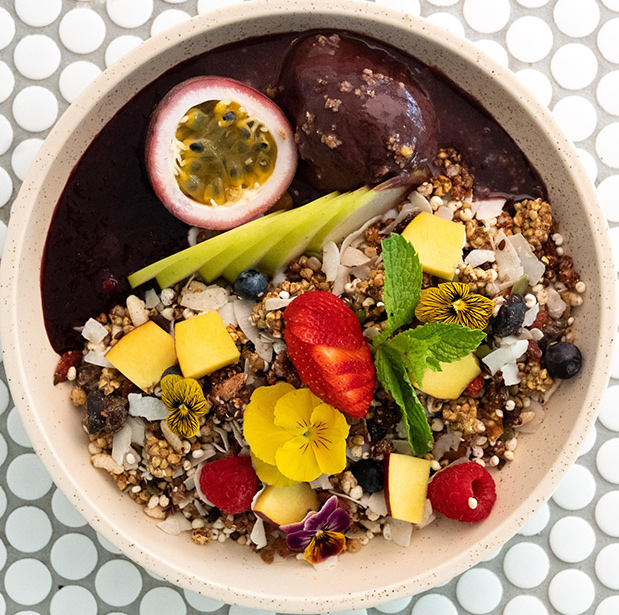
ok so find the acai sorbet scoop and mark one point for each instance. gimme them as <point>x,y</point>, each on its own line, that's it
<point>359,116</point>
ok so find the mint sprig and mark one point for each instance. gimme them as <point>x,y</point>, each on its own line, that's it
<point>411,353</point>
<point>403,275</point>
<point>394,378</point>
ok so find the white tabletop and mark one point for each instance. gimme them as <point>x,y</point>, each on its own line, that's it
<point>565,560</point>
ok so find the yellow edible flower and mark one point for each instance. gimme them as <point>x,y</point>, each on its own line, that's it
<point>453,302</point>
<point>185,402</point>
<point>295,433</point>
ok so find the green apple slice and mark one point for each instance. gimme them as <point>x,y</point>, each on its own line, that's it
<point>199,253</point>
<point>301,226</point>
<point>190,260</point>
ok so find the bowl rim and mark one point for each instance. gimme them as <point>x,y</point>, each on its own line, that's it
<point>105,83</point>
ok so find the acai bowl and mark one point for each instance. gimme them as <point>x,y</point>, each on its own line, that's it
<point>372,574</point>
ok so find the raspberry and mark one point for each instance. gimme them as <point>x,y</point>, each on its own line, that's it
<point>230,484</point>
<point>465,492</point>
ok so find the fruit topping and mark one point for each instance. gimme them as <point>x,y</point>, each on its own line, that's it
<point>105,413</point>
<point>563,360</point>
<point>218,152</point>
<point>370,474</point>
<point>359,115</point>
<point>464,492</point>
<point>475,386</point>
<point>406,486</point>
<point>143,354</point>
<point>438,242</point>
<point>510,317</point>
<point>453,378</point>
<point>293,430</point>
<point>285,505</point>
<point>453,302</point>
<point>327,347</point>
<point>321,534</point>
<point>203,345</point>
<point>251,284</point>
<point>230,484</point>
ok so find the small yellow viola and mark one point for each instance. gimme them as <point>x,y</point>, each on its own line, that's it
<point>294,434</point>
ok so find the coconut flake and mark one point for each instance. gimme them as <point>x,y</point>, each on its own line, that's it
<point>530,315</point>
<point>556,305</point>
<point>94,357</point>
<point>489,208</point>
<point>204,299</point>
<point>343,275</point>
<point>509,353</point>
<point>353,257</point>
<point>510,374</point>
<point>322,482</point>
<point>376,503</point>
<point>175,524</point>
<point>475,258</point>
<point>400,532</point>
<point>428,515</point>
<point>224,437</point>
<point>121,444</point>
<point>238,435</point>
<point>226,313</point>
<point>151,299</point>
<point>445,212</point>
<point>449,441</point>
<point>149,408</point>
<point>242,310</point>
<point>507,260</point>
<point>350,240</point>
<point>275,303</point>
<point>258,535</point>
<point>94,331</point>
<point>531,266</point>
<point>330,261</point>
<point>138,430</point>
<point>402,447</point>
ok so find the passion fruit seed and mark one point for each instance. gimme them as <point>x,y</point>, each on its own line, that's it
<point>222,152</point>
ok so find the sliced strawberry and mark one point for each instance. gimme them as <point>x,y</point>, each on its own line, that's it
<point>327,347</point>
<point>475,386</point>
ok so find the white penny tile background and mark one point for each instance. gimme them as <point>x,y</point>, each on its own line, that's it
<point>565,559</point>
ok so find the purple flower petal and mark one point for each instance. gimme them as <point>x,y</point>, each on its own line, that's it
<point>319,520</point>
<point>298,541</point>
<point>297,527</point>
<point>338,521</point>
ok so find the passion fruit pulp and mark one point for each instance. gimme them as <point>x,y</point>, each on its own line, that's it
<point>222,152</point>
<point>219,152</point>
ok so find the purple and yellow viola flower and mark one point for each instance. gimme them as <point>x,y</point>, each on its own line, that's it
<point>321,534</point>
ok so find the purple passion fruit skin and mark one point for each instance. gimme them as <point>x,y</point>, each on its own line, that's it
<point>359,116</point>
<point>219,153</point>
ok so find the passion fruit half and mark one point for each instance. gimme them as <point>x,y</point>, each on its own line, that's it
<point>219,152</point>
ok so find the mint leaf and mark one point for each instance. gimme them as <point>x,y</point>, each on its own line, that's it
<point>394,378</point>
<point>434,343</point>
<point>403,276</point>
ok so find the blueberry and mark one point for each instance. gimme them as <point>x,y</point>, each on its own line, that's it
<point>510,317</point>
<point>251,284</point>
<point>563,360</point>
<point>369,474</point>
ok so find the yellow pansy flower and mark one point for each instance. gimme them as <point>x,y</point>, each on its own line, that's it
<point>295,433</point>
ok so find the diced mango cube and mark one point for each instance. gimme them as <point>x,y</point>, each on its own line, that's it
<point>406,486</point>
<point>451,382</point>
<point>143,354</point>
<point>438,242</point>
<point>203,345</point>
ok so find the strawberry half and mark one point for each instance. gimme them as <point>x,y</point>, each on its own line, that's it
<point>327,347</point>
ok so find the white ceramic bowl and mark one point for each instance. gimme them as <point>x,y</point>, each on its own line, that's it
<point>382,571</point>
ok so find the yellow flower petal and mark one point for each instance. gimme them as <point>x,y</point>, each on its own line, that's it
<point>328,438</point>
<point>294,410</point>
<point>259,429</point>
<point>269,474</point>
<point>296,460</point>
